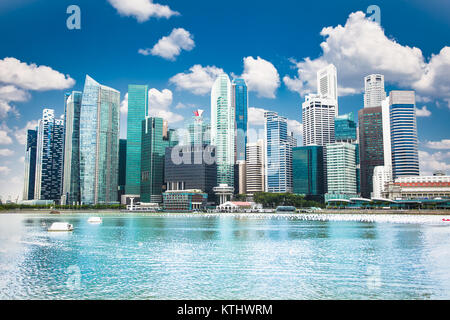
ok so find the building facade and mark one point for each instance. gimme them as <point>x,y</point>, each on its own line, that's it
<point>71,192</point>
<point>49,160</point>
<point>223,128</point>
<point>239,100</point>
<point>341,169</point>
<point>198,131</point>
<point>371,149</point>
<point>419,187</point>
<point>191,167</point>
<point>374,90</point>
<point>255,167</point>
<point>278,154</point>
<point>307,171</point>
<point>184,200</point>
<point>382,175</point>
<point>30,165</point>
<point>403,127</point>
<point>122,168</point>
<point>99,143</point>
<point>137,111</point>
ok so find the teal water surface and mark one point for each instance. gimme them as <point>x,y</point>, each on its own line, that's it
<point>223,257</point>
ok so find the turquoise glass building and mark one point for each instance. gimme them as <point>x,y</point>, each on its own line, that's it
<point>137,111</point>
<point>99,143</point>
<point>345,128</point>
<point>307,170</point>
<point>239,98</point>
<point>71,193</point>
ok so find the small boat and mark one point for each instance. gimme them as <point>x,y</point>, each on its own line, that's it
<point>95,220</point>
<point>55,212</point>
<point>60,226</point>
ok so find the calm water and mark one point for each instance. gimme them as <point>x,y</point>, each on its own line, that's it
<point>224,257</point>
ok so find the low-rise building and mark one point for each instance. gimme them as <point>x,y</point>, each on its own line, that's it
<point>184,200</point>
<point>419,187</point>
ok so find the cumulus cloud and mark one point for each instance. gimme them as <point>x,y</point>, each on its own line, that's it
<point>199,80</point>
<point>6,152</point>
<point>21,133</point>
<point>170,47</point>
<point>256,116</point>
<point>423,112</point>
<point>431,162</point>
<point>444,144</point>
<point>124,105</point>
<point>4,137</point>
<point>142,10</point>
<point>359,48</point>
<point>261,76</point>
<point>295,127</point>
<point>158,105</point>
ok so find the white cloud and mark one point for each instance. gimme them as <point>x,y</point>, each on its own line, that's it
<point>198,81</point>
<point>158,105</point>
<point>295,127</point>
<point>6,152</point>
<point>423,112</point>
<point>4,170</point>
<point>4,137</point>
<point>431,162</point>
<point>359,48</point>
<point>32,77</point>
<point>21,134</point>
<point>444,144</point>
<point>124,105</point>
<point>256,116</point>
<point>142,10</point>
<point>261,76</point>
<point>170,47</point>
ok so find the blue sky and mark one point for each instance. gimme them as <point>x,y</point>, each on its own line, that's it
<point>266,42</point>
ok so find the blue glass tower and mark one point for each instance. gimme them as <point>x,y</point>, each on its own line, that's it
<point>345,128</point>
<point>30,165</point>
<point>278,154</point>
<point>307,170</point>
<point>240,101</point>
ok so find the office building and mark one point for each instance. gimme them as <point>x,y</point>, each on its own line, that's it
<point>198,131</point>
<point>99,143</point>
<point>403,129</point>
<point>30,165</point>
<point>327,82</point>
<point>419,188</point>
<point>137,111</point>
<point>374,90</point>
<point>307,171</point>
<point>184,200</point>
<point>49,160</point>
<point>278,154</point>
<point>345,128</point>
<point>255,167</point>
<point>191,167</point>
<point>71,192</point>
<point>341,170</point>
<point>382,175</point>
<point>223,129</point>
<point>122,169</point>
<point>239,101</point>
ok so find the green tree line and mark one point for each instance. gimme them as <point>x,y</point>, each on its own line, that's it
<point>273,200</point>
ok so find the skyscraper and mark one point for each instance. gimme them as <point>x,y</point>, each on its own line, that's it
<point>307,170</point>
<point>327,83</point>
<point>371,148</point>
<point>198,131</point>
<point>71,179</point>
<point>49,162</point>
<point>137,111</point>
<point>341,170</point>
<point>404,144</point>
<point>223,129</point>
<point>239,98</point>
<point>122,168</point>
<point>278,150</point>
<point>30,165</point>
<point>99,143</point>
<point>345,128</point>
<point>373,90</point>
<point>318,120</point>
<point>153,150</point>
<point>255,167</point>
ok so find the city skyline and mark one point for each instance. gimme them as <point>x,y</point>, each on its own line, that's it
<point>170,99</point>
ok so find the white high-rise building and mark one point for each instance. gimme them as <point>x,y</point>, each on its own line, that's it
<point>374,90</point>
<point>327,82</point>
<point>318,115</point>
<point>255,167</point>
<point>382,175</point>
<point>341,168</point>
<point>223,129</point>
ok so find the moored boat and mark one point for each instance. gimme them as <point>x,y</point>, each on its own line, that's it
<point>60,226</point>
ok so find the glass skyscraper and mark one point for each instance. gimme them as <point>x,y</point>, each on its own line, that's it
<point>99,143</point>
<point>345,128</point>
<point>341,170</point>
<point>30,165</point>
<point>122,167</point>
<point>71,193</point>
<point>49,162</point>
<point>198,131</point>
<point>404,144</point>
<point>223,129</point>
<point>278,154</point>
<point>239,98</point>
<point>307,170</point>
<point>137,111</point>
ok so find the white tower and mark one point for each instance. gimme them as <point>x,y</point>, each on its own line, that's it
<point>374,90</point>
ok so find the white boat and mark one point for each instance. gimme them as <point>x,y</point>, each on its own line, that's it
<point>95,220</point>
<point>60,226</point>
